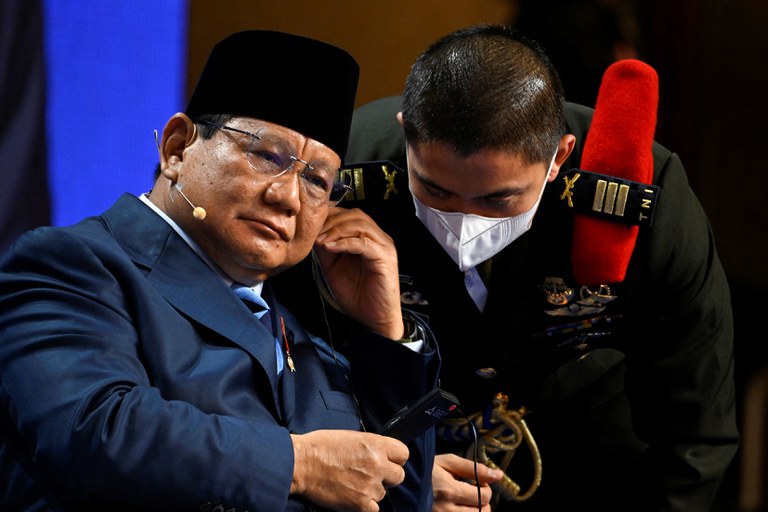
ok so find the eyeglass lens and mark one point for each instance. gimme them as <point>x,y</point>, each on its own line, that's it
<point>272,156</point>
<point>320,181</point>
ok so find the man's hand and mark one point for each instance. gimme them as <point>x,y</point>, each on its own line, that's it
<point>451,488</point>
<point>359,262</point>
<point>346,470</point>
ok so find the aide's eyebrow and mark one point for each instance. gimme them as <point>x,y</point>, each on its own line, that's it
<point>428,182</point>
<point>504,192</point>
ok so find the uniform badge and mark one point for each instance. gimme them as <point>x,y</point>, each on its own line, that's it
<point>408,295</point>
<point>413,298</point>
<point>375,181</point>
<point>556,292</point>
<point>609,197</point>
<point>582,322</point>
<point>567,302</point>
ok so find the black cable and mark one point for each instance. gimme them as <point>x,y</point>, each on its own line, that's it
<point>474,457</point>
<point>387,497</point>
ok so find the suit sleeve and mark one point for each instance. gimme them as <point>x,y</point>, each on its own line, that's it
<point>680,370</point>
<point>83,413</point>
<point>387,377</point>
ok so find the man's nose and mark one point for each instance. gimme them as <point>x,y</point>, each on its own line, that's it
<point>286,190</point>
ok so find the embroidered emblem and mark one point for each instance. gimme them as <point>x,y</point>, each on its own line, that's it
<point>568,192</point>
<point>390,178</point>
<point>373,181</point>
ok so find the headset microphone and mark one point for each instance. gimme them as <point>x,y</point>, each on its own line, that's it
<point>198,212</point>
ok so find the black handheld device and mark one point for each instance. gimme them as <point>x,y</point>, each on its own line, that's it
<point>414,419</point>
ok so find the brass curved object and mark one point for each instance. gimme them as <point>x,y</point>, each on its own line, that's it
<point>507,433</point>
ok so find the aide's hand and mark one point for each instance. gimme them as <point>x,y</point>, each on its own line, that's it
<point>359,262</point>
<point>346,470</point>
<point>451,493</point>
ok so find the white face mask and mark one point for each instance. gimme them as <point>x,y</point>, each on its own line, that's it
<point>471,239</point>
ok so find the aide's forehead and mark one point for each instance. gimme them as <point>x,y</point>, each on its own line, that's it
<point>443,154</point>
<point>484,173</point>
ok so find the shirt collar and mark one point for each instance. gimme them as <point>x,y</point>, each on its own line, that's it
<point>227,280</point>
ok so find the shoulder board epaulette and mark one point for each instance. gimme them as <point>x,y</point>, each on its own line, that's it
<point>375,181</point>
<point>608,197</point>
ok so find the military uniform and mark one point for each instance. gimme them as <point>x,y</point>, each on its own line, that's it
<point>628,389</point>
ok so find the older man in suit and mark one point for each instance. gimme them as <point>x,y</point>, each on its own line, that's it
<point>133,376</point>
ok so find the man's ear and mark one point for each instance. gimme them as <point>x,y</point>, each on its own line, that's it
<point>400,118</point>
<point>178,134</point>
<point>564,149</point>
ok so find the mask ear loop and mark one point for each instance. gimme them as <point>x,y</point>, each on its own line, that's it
<point>551,164</point>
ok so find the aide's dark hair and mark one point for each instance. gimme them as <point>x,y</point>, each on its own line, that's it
<point>485,87</point>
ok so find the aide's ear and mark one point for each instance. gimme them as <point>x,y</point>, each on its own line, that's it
<point>400,118</point>
<point>564,150</point>
<point>178,134</point>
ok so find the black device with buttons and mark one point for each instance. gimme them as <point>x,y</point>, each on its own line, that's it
<point>414,419</point>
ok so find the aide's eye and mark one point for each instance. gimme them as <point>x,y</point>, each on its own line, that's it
<point>434,192</point>
<point>499,202</point>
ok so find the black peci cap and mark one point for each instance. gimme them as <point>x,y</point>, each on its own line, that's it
<point>300,83</point>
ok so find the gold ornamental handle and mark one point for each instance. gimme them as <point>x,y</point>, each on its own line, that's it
<point>508,431</point>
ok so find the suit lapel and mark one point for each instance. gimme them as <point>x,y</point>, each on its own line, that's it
<point>287,379</point>
<point>187,282</point>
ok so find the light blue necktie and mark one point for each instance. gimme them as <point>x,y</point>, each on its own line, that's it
<point>260,310</point>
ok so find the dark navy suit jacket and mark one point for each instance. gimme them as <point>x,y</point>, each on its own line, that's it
<point>133,378</point>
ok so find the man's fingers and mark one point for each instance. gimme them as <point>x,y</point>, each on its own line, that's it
<point>343,223</point>
<point>344,470</point>
<point>397,452</point>
<point>350,244</point>
<point>394,476</point>
<point>464,469</point>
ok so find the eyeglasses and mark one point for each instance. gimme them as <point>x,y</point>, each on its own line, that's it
<point>272,157</point>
